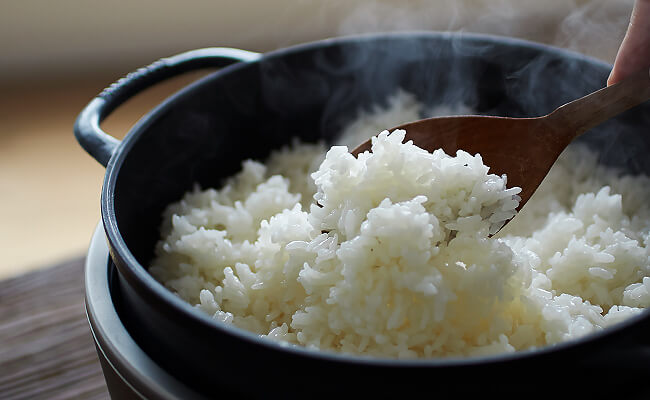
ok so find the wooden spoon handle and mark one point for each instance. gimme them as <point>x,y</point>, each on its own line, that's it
<point>589,111</point>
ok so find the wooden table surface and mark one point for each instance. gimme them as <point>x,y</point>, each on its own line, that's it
<point>46,348</point>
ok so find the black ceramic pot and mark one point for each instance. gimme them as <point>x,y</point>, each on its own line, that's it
<point>260,102</point>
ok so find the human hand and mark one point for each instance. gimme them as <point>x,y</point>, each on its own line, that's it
<point>634,53</point>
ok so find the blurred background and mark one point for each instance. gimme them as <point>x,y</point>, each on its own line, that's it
<point>57,55</point>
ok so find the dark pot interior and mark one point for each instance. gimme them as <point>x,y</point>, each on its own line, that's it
<point>202,134</point>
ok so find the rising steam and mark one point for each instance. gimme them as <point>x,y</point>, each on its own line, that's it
<point>592,27</point>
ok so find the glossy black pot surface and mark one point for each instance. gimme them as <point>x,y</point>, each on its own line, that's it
<point>201,135</point>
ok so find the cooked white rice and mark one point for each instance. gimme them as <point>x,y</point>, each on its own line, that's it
<point>396,258</point>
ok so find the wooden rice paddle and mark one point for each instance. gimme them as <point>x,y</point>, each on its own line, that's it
<point>525,148</point>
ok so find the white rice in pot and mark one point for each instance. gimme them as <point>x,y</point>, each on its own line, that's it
<point>396,259</point>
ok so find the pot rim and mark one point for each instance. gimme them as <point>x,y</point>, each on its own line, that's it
<point>138,276</point>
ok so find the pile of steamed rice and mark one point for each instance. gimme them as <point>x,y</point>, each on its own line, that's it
<point>396,259</point>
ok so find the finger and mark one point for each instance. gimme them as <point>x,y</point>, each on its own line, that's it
<point>634,52</point>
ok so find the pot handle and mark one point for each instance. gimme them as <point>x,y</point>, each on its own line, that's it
<point>98,143</point>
